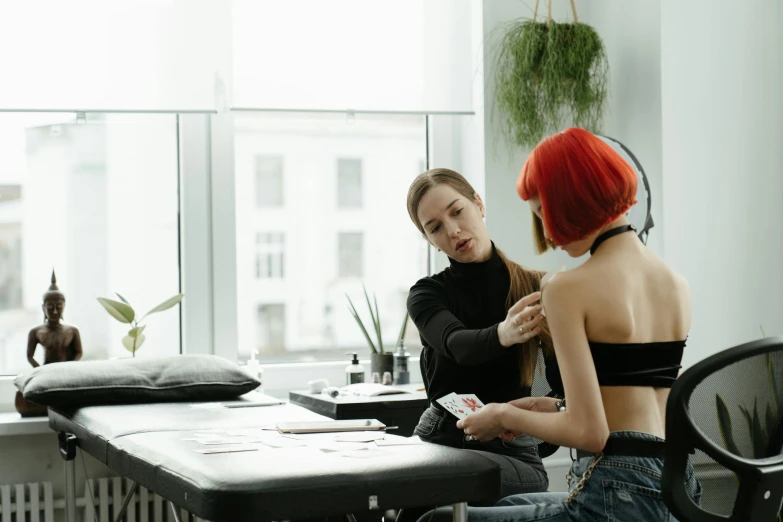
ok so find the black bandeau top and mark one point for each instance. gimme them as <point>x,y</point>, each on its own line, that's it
<point>637,364</point>
<point>628,364</point>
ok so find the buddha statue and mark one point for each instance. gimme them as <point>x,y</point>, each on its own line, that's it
<point>60,342</point>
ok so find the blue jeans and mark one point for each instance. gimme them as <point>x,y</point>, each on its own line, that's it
<point>619,489</point>
<point>521,468</point>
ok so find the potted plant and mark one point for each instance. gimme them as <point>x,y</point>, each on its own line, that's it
<point>381,360</point>
<point>124,313</point>
<point>761,424</point>
<point>547,72</point>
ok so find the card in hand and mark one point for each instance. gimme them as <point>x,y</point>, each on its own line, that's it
<point>453,405</point>
<point>461,405</point>
<point>470,402</point>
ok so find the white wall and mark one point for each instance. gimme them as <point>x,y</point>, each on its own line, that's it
<point>722,104</point>
<point>631,34</point>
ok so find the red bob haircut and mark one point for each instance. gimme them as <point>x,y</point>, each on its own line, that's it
<point>582,183</point>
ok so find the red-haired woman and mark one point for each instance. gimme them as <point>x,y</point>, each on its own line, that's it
<point>619,324</point>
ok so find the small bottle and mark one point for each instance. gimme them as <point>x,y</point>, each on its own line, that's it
<point>401,373</point>
<point>376,377</point>
<point>255,370</point>
<point>387,378</point>
<point>354,372</point>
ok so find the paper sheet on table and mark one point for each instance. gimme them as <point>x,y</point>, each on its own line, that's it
<point>396,440</point>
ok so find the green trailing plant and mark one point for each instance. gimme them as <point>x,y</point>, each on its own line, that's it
<point>123,312</point>
<point>548,73</point>
<point>376,322</point>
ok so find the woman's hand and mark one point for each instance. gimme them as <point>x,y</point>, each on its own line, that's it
<point>522,321</point>
<point>485,424</point>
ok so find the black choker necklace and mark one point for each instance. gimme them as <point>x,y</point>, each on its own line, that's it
<point>609,234</point>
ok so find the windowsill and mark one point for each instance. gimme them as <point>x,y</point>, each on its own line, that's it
<point>15,424</point>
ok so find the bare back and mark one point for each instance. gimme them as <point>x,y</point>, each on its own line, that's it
<point>630,295</point>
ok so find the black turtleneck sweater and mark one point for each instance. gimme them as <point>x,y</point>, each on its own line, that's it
<point>457,312</point>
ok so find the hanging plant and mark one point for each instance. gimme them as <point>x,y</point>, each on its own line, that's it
<point>549,73</point>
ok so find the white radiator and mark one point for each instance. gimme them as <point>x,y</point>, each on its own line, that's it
<point>34,503</point>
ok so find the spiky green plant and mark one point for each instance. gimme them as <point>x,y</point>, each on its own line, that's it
<point>548,73</point>
<point>761,432</point>
<point>124,313</point>
<point>376,322</point>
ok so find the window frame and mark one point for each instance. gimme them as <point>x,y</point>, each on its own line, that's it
<point>208,271</point>
<point>440,132</point>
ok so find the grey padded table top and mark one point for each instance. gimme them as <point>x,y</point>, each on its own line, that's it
<point>143,443</point>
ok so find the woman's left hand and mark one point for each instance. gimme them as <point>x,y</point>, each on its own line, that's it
<point>485,424</point>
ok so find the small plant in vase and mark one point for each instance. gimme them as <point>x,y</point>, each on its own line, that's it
<point>381,360</point>
<point>124,313</point>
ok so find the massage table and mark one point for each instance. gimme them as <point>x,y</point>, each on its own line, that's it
<point>143,442</point>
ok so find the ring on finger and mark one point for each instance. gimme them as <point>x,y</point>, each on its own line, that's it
<point>522,329</point>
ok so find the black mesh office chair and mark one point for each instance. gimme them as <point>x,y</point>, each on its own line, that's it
<point>541,388</point>
<point>725,415</point>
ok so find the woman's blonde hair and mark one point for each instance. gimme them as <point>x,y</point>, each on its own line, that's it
<point>523,281</point>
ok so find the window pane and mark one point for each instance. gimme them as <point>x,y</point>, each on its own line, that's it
<point>342,225</point>
<point>270,256</point>
<point>269,181</point>
<point>350,246</point>
<point>349,183</point>
<point>97,202</point>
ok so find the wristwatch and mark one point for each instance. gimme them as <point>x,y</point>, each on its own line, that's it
<point>560,405</point>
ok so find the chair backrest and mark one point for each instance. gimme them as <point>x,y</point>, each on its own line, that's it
<point>724,416</point>
<point>541,388</point>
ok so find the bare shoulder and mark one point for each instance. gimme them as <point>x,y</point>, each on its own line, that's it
<point>564,289</point>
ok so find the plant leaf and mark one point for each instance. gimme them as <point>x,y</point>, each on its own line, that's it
<point>135,332</point>
<point>777,398</point>
<point>403,328</point>
<point>770,424</point>
<point>120,311</point>
<point>378,323</point>
<point>122,299</point>
<point>355,315</point>
<point>759,435</point>
<point>132,344</point>
<point>374,320</point>
<point>165,305</point>
<point>724,422</point>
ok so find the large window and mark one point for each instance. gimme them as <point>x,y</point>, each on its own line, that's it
<point>94,197</point>
<point>342,225</point>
